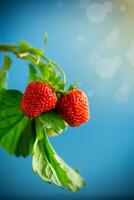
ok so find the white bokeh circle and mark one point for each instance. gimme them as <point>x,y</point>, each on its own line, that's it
<point>90,93</point>
<point>130,55</point>
<point>112,39</point>
<point>106,67</point>
<point>97,12</point>
<point>122,8</point>
<point>121,95</point>
<point>80,38</point>
<point>108,6</point>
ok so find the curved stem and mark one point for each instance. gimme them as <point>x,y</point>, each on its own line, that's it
<point>61,70</point>
<point>18,50</point>
<point>9,48</point>
<point>55,64</point>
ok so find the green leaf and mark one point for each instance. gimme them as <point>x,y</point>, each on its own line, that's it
<point>3,71</point>
<point>45,71</point>
<point>37,51</point>
<point>51,168</point>
<point>16,132</point>
<point>53,122</point>
<point>74,85</point>
<point>24,45</point>
<point>45,38</point>
<point>50,76</point>
<point>33,75</point>
<point>26,141</point>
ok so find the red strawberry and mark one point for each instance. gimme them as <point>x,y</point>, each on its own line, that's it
<point>38,98</point>
<point>73,107</point>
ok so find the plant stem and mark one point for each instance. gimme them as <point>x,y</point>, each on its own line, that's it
<point>56,65</point>
<point>18,50</point>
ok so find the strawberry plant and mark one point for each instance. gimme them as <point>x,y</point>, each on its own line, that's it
<point>46,108</point>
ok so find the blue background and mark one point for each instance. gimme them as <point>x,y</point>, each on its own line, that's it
<point>102,149</point>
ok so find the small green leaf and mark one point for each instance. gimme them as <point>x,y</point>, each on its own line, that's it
<point>16,133</point>
<point>50,76</point>
<point>37,51</point>
<point>45,71</point>
<point>45,38</point>
<point>51,168</point>
<point>74,85</point>
<point>51,120</point>
<point>33,75</point>
<point>3,71</point>
<point>24,45</point>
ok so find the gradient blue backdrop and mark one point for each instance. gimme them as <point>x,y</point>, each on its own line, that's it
<point>102,149</point>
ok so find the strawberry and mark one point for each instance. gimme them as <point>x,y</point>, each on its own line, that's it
<point>38,98</point>
<point>73,107</point>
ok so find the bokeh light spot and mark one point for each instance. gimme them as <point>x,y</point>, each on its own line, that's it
<point>121,95</point>
<point>112,39</point>
<point>80,38</point>
<point>108,6</point>
<point>97,12</point>
<point>130,55</point>
<point>122,8</point>
<point>90,93</point>
<point>107,67</point>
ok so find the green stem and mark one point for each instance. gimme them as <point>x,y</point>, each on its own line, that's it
<point>18,50</point>
<point>9,48</point>
<point>55,64</point>
<point>61,70</point>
